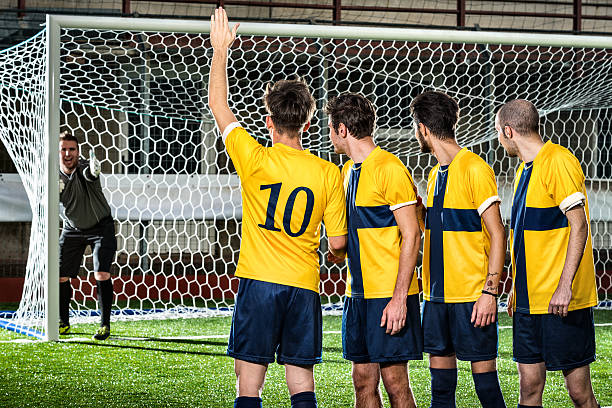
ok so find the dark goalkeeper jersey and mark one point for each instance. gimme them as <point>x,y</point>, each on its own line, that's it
<point>83,200</point>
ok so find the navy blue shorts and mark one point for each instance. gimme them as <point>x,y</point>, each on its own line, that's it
<point>447,330</point>
<point>72,243</point>
<point>562,343</point>
<point>271,319</point>
<point>364,341</point>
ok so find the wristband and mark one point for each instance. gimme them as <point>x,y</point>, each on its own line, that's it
<point>486,292</point>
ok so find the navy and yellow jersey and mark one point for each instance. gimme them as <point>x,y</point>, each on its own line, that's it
<point>543,190</point>
<point>456,248</point>
<point>286,193</point>
<point>374,189</point>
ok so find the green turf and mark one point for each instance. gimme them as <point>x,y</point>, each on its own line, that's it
<point>159,372</point>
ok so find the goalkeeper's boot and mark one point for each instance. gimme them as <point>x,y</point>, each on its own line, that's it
<point>64,328</point>
<point>103,333</point>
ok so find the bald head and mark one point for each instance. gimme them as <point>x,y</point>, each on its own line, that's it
<point>521,115</point>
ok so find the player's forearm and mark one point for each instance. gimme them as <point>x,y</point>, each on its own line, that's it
<point>407,263</point>
<point>497,255</point>
<point>579,231</point>
<point>218,89</point>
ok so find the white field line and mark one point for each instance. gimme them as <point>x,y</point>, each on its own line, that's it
<point>170,338</point>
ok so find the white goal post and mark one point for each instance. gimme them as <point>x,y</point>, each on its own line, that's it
<point>135,90</point>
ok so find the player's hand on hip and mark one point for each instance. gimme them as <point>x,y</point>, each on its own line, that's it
<point>221,37</point>
<point>394,316</point>
<point>94,164</point>
<point>510,309</point>
<point>559,303</point>
<point>484,311</point>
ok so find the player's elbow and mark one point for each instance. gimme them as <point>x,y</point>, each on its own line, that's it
<point>412,236</point>
<point>337,245</point>
<point>217,105</point>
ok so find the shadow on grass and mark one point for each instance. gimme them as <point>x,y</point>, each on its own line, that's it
<point>164,350</point>
<point>177,341</point>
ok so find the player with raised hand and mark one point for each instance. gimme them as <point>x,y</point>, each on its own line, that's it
<point>286,193</point>
<point>463,256</point>
<point>87,221</point>
<point>552,261</point>
<point>381,327</point>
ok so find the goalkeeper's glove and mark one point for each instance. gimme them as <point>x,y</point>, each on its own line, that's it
<point>94,164</point>
<point>61,185</point>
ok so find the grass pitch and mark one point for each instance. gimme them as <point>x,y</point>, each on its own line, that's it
<point>164,367</point>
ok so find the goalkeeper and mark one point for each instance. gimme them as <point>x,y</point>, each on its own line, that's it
<point>87,221</point>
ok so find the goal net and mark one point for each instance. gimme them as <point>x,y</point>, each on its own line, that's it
<point>135,92</point>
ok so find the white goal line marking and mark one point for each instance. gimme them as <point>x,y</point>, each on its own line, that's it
<point>170,338</point>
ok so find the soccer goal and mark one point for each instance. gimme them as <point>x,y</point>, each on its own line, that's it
<point>134,92</point>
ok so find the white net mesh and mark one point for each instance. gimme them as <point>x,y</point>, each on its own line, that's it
<point>139,100</point>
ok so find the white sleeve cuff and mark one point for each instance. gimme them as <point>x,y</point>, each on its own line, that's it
<point>571,201</point>
<point>487,203</point>
<point>228,129</point>
<point>400,205</point>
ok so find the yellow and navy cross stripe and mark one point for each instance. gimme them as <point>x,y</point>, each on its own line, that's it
<point>439,219</point>
<point>523,219</point>
<point>361,217</point>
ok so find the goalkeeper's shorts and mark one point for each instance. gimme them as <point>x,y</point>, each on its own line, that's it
<point>74,241</point>
<point>276,320</point>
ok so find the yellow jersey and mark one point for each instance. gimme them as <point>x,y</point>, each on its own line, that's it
<point>286,194</point>
<point>456,248</point>
<point>543,190</point>
<point>374,189</point>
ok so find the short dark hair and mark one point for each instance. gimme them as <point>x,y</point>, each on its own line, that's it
<point>355,111</point>
<point>438,111</point>
<point>521,115</point>
<point>289,104</point>
<point>67,137</point>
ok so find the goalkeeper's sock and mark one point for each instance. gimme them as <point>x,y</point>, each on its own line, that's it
<point>247,402</point>
<point>306,399</point>
<point>488,390</point>
<point>105,300</point>
<point>65,296</point>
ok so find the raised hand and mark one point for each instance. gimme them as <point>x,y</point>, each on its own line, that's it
<point>94,164</point>
<point>221,37</point>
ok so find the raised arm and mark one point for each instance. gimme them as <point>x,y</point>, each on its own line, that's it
<point>92,172</point>
<point>221,38</point>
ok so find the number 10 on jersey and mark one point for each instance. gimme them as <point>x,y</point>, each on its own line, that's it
<point>273,202</point>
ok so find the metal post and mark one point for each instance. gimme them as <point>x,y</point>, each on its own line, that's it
<point>337,11</point>
<point>460,13</point>
<point>52,119</point>
<point>577,26</point>
<point>126,7</point>
<point>21,5</point>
